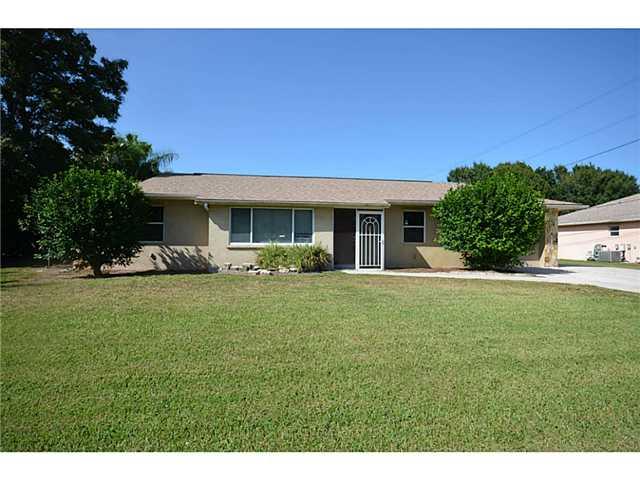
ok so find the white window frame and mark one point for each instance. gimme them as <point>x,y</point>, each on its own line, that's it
<point>251,243</point>
<point>424,227</point>
<point>163,222</point>
<point>617,230</point>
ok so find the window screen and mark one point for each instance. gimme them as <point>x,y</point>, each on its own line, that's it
<point>271,225</point>
<point>413,225</point>
<point>303,222</point>
<point>153,230</point>
<point>240,225</point>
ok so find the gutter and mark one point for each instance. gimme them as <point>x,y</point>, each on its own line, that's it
<point>597,222</point>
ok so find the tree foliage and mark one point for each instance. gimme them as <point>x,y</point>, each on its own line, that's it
<point>491,222</point>
<point>591,185</point>
<point>476,172</point>
<point>130,155</point>
<point>586,184</point>
<point>89,215</point>
<point>57,101</point>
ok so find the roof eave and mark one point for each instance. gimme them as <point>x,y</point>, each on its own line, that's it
<point>564,207</point>
<point>311,203</point>
<point>598,222</point>
<point>168,196</point>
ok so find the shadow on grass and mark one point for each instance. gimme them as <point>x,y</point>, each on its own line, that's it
<point>142,273</point>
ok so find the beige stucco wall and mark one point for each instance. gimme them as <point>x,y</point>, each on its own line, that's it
<point>575,241</point>
<point>199,240</point>
<point>429,255</point>
<point>221,252</point>
<point>185,245</point>
<point>413,255</point>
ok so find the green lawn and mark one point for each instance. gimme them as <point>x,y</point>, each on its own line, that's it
<point>316,362</point>
<point>585,263</point>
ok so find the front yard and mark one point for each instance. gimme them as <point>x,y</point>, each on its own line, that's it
<point>316,362</point>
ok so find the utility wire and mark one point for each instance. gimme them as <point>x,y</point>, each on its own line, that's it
<point>580,137</point>
<point>554,118</point>
<point>603,152</point>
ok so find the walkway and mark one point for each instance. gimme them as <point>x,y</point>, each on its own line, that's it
<point>627,280</point>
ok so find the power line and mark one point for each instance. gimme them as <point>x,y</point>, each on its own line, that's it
<point>554,118</point>
<point>603,152</point>
<point>580,137</point>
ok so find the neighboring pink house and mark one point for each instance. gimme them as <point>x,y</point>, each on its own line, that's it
<point>615,224</point>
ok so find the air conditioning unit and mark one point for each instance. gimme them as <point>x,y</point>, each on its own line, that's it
<point>611,256</point>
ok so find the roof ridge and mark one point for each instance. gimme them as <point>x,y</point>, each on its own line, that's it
<point>195,174</point>
<point>618,200</point>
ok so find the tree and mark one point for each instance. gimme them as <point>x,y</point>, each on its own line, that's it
<point>131,156</point>
<point>492,222</point>
<point>476,172</point>
<point>592,185</point>
<point>533,178</point>
<point>586,184</point>
<point>89,215</point>
<point>57,100</point>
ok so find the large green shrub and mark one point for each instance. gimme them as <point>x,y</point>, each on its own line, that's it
<point>492,223</point>
<point>306,258</point>
<point>88,215</point>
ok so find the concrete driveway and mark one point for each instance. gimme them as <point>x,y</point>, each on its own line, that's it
<point>624,279</point>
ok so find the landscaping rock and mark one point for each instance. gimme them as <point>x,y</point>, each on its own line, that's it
<point>236,268</point>
<point>247,266</point>
<point>283,270</point>
<point>227,266</point>
<point>265,272</point>
<point>293,269</point>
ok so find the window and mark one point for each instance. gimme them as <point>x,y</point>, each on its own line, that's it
<point>614,231</point>
<point>270,225</point>
<point>241,225</point>
<point>154,228</point>
<point>303,222</point>
<point>267,225</point>
<point>413,226</point>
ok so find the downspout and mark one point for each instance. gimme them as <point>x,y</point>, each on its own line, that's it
<point>211,268</point>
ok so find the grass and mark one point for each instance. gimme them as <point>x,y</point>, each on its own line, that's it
<point>585,263</point>
<point>316,362</point>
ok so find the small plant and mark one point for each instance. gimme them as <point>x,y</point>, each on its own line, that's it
<point>309,258</point>
<point>273,256</point>
<point>306,258</point>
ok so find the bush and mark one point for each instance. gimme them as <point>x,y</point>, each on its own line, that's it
<point>273,256</point>
<point>492,223</point>
<point>309,258</point>
<point>89,216</point>
<point>306,258</point>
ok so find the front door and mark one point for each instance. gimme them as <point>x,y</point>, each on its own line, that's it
<point>344,238</point>
<point>370,240</point>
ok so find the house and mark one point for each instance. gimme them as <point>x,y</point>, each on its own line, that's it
<point>204,221</point>
<point>615,224</point>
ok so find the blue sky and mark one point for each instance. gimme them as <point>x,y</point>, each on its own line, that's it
<point>377,103</point>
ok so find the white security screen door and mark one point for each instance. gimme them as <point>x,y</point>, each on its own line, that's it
<point>370,240</point>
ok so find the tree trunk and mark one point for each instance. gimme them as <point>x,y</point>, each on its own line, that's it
<point>96,266</point>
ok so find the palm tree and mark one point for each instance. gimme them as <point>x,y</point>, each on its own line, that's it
<point>134,157</point>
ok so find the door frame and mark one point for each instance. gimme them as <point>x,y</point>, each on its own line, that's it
<point>369,212</point>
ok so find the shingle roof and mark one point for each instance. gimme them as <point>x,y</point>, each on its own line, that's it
<point>625,209</point>
<point>265,189</point>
